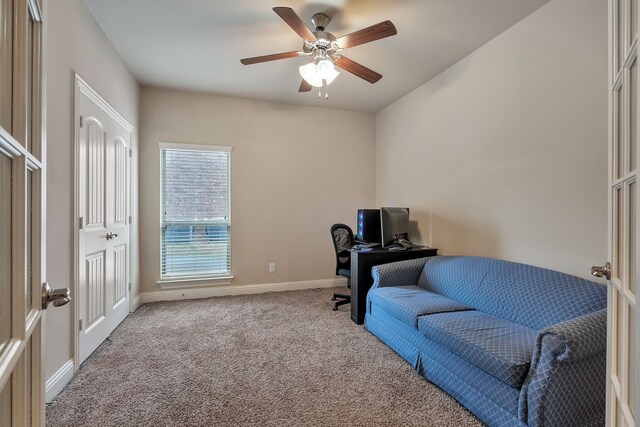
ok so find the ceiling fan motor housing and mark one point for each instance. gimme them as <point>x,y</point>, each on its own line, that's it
<point>324,41</point>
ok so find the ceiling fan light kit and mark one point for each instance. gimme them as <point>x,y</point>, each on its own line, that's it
<point>317,72</point>
<point>321,72</point>
<point>325,49</point>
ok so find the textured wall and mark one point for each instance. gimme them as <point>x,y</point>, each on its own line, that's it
<point>504,154</point>
<point>294,172</point>
<point>75,44</point>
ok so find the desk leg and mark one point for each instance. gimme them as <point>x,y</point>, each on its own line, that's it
<point>358,294</point>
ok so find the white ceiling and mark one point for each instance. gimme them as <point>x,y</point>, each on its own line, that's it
<point>197,44</point>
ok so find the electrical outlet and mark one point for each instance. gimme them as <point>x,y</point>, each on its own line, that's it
<point>272,267</point>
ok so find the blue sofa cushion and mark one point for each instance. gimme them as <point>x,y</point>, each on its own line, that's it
<point>528,295</point>
<point>499,347</point>
<point>406,303</point>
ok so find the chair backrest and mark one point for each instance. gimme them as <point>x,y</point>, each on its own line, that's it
<point>343,240</point>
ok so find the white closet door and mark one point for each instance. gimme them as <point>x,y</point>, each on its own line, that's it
<point>103,200</point>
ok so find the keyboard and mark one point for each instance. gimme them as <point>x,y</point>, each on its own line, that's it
<point>366,245</point>
<point>396,248</point>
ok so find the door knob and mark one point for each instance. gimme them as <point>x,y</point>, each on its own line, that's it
<point>58,297</point>
<point>604,271</point>
<point>111,235</point>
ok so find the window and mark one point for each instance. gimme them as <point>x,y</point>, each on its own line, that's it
<point>195,211</point>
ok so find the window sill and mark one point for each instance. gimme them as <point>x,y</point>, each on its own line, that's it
<point>194,282</point>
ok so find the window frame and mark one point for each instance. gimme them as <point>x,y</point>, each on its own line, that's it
<point>168,281</point>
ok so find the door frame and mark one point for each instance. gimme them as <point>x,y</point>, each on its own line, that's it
<point>82,88</point>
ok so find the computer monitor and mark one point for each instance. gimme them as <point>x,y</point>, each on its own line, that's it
<point>395,225</point>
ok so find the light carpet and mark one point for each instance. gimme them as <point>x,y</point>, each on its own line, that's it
<point>276,359</point>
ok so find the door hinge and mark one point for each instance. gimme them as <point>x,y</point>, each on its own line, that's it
<point>80,324</point>
<point>81,121</point>
<point>130,219</point>
<point>130,152</point>
<point>81,223</point>
<point>129,286</point>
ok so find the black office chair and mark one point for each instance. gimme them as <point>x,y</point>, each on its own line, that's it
<point>343,240</point>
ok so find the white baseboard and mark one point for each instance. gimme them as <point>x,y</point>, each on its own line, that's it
<point>222,290</point>
<point>58,381</point>
<point>135,304</point>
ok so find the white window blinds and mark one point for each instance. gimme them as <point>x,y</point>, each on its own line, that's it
<point>195,211</point>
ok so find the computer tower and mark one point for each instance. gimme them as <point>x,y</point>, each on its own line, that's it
<point>369,226</point>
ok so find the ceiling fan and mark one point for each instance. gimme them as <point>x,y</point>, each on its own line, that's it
<point>326,49</point>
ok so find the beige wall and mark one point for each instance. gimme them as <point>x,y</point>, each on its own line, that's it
<point>75,43</point>
<point>504,154</point>
<point>295,171</point>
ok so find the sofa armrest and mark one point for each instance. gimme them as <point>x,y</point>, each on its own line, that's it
<point>401,273</point>
<point>578,338</point>
<point>566,384</point>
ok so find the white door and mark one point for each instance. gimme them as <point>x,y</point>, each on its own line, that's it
<point>623,326</point>
<point>22,214</point>
<point>103,202</point>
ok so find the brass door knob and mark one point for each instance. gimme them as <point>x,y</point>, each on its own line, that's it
<point>602,271</point>
<point>58,297</point>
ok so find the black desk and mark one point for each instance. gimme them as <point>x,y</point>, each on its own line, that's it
<point>361,279</point>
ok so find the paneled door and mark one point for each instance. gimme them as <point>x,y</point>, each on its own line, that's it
<point>103,203</point>
<point>622,347</point>
<point>23,294</point>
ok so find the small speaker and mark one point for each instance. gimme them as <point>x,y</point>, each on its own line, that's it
<point>369,226</point>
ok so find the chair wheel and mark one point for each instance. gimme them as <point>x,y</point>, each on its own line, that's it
<point>333,298</point>
<point>335,308</point>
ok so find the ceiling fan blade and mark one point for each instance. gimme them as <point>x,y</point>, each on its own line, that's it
<point>304,86</point>
<point>369,34</point>
<point>358,69</point>
<point>295,22</point>
<point>273,57</point>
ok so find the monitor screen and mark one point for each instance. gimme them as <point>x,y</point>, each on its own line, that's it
<point>395,224</point>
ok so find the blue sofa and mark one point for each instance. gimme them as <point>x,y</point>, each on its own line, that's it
<point>515,344</point>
